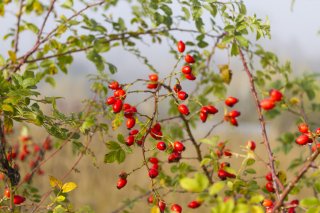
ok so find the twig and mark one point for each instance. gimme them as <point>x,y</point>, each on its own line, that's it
<point>16,37</point>
<point>213,127</point>
<point>262,123</point>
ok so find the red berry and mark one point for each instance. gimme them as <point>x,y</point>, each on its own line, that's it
<point>183,109</point>
<point>17,199</point>
<point>153,173</point>
<point>211,109</point>
<point>178,146</point>
<point>181,46</point>
<point>155,166</point>
<point>189,59</point>
<point>203,116</point>
<point>150,199</point>
<point>186,69</point>
<point>227,153</point>
<point>153,77</point>
<point>275,95</point>
<point>303,128</point>
<point>267,203</point>
<point>303,140</point>
<point>317,131</point>
<point>176,208</point>
<point>233,121</point>
<point>174,157</point>
<point>120,93</point>
<point>153,160</point>
<point>130,140</point>
<point>121,183</point>
<point>177,88</point>
<point>251,145</point>
<point>152,86</point>
<point>231,101</point>
<point>315,147</point>
<point>190,77</point>
<point>234,113</point>
<point>131,122</point>
<point>224,164</point>
<point>111,100</point>
<point>267,104</point>
<point>269,187</point>
<point>156,134</point>
<point>114,85</point>
<point>182,95</point>
<point>117,106</point>
<point>161,146</point>
<point>269,176</point>
<point>7,192</point>
<point>157,127</point>
<point>222,174</point>
<point>161,205</point>
<point>194,204</point>
<point>134,132</point>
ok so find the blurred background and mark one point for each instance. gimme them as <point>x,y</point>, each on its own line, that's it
<point>295,37</point>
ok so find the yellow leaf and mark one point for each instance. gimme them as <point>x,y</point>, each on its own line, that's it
<point>221,45</point>
<point>154,209</point>
<point>55,182</point>
<point>12,56</point>
<point>68,187</point>
<point>225,73</point>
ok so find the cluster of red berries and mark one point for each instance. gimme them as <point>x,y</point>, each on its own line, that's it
<point>153,84</point>
<point>118,96</point>
<point>270,102</point>
<point>187,69</point>
<point>232,115</point>
<point>307,136</point>
<point>268,204</point>
<point>269,184</point>
<point>153,172</point>
<point>17,199</point>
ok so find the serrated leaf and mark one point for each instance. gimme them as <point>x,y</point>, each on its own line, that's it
<point>68,187</point>
<point>309,202</point>
<point>197,184</point>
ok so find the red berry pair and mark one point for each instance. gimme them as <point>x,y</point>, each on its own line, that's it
<point>205,111</point>
<point>153,172</point>
<point>270,103</point>
<point>153,81</point>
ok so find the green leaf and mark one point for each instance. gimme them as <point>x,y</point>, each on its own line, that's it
<point>211,141</point>
<point>68,187</point>
<point>256,199</point>
<point>234,49</point>
<point>60,198</point>
<point>197,184</point>
<point>216,187</point>
<point>309,202</point>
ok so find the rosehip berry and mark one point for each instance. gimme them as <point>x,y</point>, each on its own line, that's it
<point>153,77</point>
<point>303,140</point>
<point>275,95</point>
<point>161,205</point>
<point>161,146</point>
<point>17,199</point>
<point>233,121</point>
<point>176,208</point>
<point>114,85</point>
<point>131,122</point>
<point>269,176</point>
<point>7,192</point>
<point>303,128</point>
<point>182,95</point>
<point>211,109</point>
<point>152,86</point>
<point>222,174</point>
<point>203,116</point>
<point>120,93</point>
<point>315,147</point>
<point>183,109</point>
<point>150,199</point>
<point>186,69</point>
<point>156,134</point>
<point>178,146</point>
<point>267,104</point>
<point>269,187</point>
<point>234,113</point>
<point>181,46</point>
<point>117,106</point>
<point>153,173</point>
<point>155,166</point>
<point>227,153</point>
<point>189,59</point>
<point>121,183</point>
<point>134,132</point>
<point>174,157</point>
<point>111,100</point>
<point>177,88</point>
<point>231,101</point>
<point>194,204</point>
<point>267,203</point>
<point>130,140</point>
<point>190,77</point>
<point>251,145</point>
<point>157,127</point>
<point>153,160</point>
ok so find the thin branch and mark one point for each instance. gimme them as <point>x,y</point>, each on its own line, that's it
<point>262,122</point>
<point>213,127</point>
<point>16,37</point>
<point>292,183</point>
<point>45,20</point>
